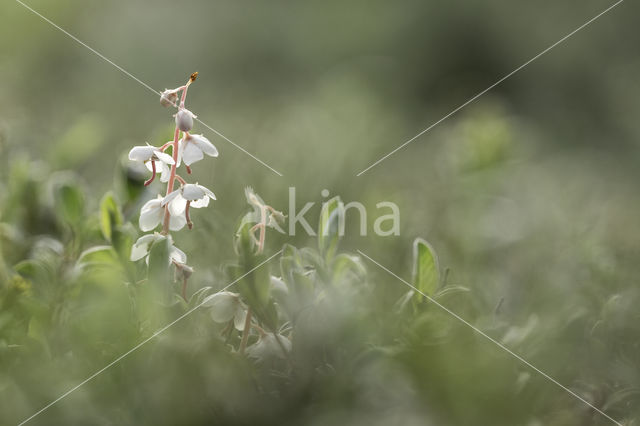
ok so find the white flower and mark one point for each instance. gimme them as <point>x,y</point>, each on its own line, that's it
<point>154,159</point>
<point>152,214</point>
<point>162,168</point>
<point>278,285</point>
<point>149,153</point>
<point>142,247</point>
<point>193,147</point>
<point>226,306</point>
<point>196,195</point>
<point>184,119</point>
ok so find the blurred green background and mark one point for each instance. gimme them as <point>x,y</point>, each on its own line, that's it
<point>529,195</point>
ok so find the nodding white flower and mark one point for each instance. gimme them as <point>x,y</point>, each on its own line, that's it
<point>154,159</point>
<point>195,195</point>
<point>184,119</point>
<point>193,147</point>
<point>149,153</point>
<point>142,247</point>
<point>226,306</point>
<point>160,167</point>
<point>169,97</point>
<point>152,215</point>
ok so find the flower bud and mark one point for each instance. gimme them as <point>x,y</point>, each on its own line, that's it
<point>184,120</point>
<point>168,97</point>
<point>184,272</point>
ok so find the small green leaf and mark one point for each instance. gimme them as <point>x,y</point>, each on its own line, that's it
<point>110,215</point>
<point>328,228</point>
<point>159,262</point>
<point>426,270</point>
<point>70,202</point>
<point>122,238</point>
<point>102,255</point>
<point>345,264</point>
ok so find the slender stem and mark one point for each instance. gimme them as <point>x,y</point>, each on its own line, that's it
<point>174,166</point>
<point>172,178</point>
<point>263,229</point>
<point>184,289</point>
<point>153,175</point>
<point>260,329</point>
<point>245,332</point>
<point>186,214</point>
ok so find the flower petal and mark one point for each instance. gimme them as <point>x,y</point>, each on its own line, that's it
<point>165,171</point>
<point>204,145</point>
<point>150,215</point>
<point>141,247</point>
<point>141,153</point>
<point>180,149</point>
<point>223,305</point>
<point>198,204</point>
<point>170,197</point>
<point>165,158</point>
<point>191,153</point>
<point>176,223</point>
<point>207,191</point>
<point>177,206</point>
<point>193,192</point>
<point>177,255</point>
<point>138,252</point>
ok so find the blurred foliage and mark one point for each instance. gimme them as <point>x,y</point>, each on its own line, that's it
<point>529,196</point>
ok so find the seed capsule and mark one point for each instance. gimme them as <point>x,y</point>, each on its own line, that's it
<point>184,120</point>
<point>168,98</point>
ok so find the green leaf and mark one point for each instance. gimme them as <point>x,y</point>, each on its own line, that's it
<point>328,228</point>
<point>255,285</point>
<point>99,255</point>
<point>159,263</point>
<point>426,270</point>
<point>122,238</point>
<point>110,215</point>
<point>345,264</point>
<point>70,202</point>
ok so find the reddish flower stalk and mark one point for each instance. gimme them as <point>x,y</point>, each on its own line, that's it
<point>176,138</point>
<point>186,214</point>
<point>153,175</point>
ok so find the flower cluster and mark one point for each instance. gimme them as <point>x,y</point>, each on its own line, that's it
<point>172,211</point>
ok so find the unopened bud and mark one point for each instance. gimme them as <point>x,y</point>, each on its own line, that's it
<point>168,97</point>
<point>184,120</point>
<point>278,216</point>
<point>185,271</point>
